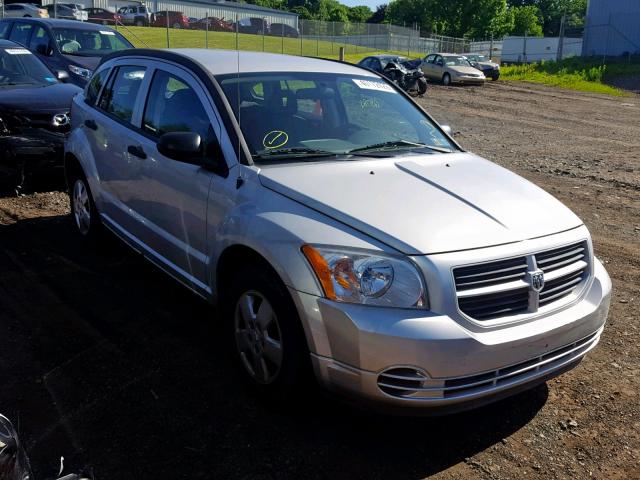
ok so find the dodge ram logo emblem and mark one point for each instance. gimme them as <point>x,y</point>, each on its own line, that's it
<point>537,280</point>
<point>60,120</point>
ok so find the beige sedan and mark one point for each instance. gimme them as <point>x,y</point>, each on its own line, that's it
<point>451,68</point>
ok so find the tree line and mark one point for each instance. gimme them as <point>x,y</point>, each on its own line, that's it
<point>455,18</point>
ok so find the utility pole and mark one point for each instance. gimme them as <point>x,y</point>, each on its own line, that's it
<point>561,39</point>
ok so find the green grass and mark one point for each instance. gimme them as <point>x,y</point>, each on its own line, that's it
<point>586,75</point>
<point>157,38</point>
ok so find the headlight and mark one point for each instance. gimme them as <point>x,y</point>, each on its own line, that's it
<point>81,72</point>
<point>368,278</point>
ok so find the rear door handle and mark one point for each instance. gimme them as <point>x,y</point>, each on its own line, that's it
<point>136,151</point>
<point>91,124</point>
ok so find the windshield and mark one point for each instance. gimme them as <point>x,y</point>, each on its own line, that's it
<point>477,58</point>
<point>18,66</point>
<point>456,61</point>
<point>89,43</point>
<point>326,114</point>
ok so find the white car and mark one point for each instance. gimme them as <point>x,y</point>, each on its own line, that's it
<point>337,226</point>
<point>16,10</point>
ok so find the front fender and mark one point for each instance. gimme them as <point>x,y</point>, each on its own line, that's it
<point>277,227</point>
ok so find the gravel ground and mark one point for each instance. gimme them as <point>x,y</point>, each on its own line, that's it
<point>114,366</point>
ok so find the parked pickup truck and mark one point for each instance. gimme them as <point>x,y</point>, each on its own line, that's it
<point>137,15</point>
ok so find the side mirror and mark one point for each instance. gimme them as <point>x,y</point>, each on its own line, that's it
<point>62,75</point>
<point>447,129</point>
<point>180,145</point>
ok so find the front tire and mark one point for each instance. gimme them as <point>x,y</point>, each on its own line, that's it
<point>177,25</point>
<point>265,331</point>
<point>446,79</point>
<point>422,86</point>
<point>83,209</point>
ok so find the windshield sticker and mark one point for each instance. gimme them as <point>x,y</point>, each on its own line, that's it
<point>107,32</point>
<point>17,51</point>
<point>275,139</point>
<point>373,85</point>
<point>369,102</point>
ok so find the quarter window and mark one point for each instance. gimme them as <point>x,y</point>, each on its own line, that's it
<point>4,29</point>
<point>95,86</point>
<point>119,97</point>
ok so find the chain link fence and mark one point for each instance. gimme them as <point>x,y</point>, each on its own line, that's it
<point>179,25</point>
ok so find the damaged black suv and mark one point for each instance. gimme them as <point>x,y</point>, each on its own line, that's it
<point>34,114</point>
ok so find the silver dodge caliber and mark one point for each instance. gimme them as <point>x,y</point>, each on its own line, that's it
<point>341,231</point>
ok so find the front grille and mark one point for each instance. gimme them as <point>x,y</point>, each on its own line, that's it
<point>411,383</point>
<point>18,122</point>
<point>503,288</point>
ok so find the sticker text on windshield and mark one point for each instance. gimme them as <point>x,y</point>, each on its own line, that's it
<point>373,85</point>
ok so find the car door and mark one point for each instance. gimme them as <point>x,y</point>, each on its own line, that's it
<point>41,44</point>
<point>172,196</point>
<point>427,66</point>
<point>109,128</point>
<point>438,67</point>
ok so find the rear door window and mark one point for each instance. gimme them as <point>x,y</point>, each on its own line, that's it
<point>41,41</point>
<point>119,97</point>
<point>20,33</point>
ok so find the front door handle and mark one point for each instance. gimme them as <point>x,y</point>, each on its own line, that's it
<point>91,124</point>
<point>136,151</point>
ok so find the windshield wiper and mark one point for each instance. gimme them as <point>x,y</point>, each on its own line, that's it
<point>294,152</point>
<point>398,144</point>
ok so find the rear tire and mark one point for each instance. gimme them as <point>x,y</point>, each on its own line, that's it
<point>84,214</point>
<point>264,329</point>
<point>446,79</point>
<point>140,23</point>
<point>177,25</point>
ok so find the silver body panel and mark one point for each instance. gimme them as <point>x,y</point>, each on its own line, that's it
<point>440,211</point>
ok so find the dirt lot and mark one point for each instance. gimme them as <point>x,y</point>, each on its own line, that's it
<point>109,363</point>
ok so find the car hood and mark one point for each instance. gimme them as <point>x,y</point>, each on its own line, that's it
<point>422,204</point>
<point>53,97</point>
<point>87,62</point>
<point>464,70</point>
<point>487,64</point>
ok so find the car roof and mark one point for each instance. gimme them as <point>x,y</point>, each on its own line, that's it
<point>55,22</point>
<point>222,62</point>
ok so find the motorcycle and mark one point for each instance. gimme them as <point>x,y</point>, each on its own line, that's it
<point>14,462</point>
<point>407,76</point>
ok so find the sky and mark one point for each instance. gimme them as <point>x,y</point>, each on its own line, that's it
<point>372,4</point>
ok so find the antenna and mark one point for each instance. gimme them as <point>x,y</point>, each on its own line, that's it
<point>238,86</point>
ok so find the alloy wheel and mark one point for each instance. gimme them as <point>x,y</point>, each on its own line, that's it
<point>81,207</point>
<point>258,337</point>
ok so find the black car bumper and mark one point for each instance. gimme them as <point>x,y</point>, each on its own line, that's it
<point>32,150</point>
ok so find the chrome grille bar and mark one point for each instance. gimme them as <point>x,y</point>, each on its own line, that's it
<point>504,288</point>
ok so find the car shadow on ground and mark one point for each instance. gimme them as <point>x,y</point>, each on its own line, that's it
<point>113,365</point>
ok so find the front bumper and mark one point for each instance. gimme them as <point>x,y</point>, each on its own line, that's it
<point>421,360</point>
<point>468,80</point>
<point>33,149</point>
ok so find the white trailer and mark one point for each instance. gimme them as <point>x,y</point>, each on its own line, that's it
<point>536,49</point>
